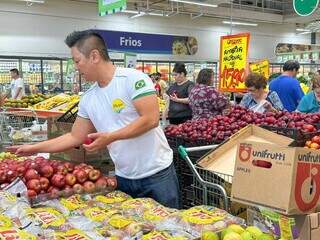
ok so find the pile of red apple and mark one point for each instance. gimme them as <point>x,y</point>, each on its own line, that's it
<point>220,127</point>
<point>314,143</point>
<point>43,176</point>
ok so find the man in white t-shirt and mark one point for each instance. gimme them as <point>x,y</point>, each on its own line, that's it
<point>17,85</point>
<point>119,112</point>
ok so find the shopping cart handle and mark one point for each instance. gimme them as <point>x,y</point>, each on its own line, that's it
<point>182,151</point>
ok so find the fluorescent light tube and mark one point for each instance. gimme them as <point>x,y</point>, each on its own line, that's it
<point>130,11</point>
<point>195,3</point>
<point>302,30</point>
<point>140,14</point>
<point>241,23</point>
<point>33,1</point>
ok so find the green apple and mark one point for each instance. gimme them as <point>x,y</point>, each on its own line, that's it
<point>246,236</point>
<point>208,235</point>
<point>254,231</point>
<point>265,236</point>
<point>236,228</point>
<point>225,232</point>
<point>232,236</point>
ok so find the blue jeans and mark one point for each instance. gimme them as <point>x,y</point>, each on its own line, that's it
<point>162,187</point>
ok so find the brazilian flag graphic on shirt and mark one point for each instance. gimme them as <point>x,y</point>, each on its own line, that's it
<point>140,84</point>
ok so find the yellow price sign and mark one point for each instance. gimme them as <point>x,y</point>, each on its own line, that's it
<point>261,67</point>
<point>233,62</point>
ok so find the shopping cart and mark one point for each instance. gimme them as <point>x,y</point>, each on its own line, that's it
<point>20,126</point>
<point>209,188</point>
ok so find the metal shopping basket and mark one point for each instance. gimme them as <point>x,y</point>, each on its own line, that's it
<point>209,188</point>
<point>18,126</point>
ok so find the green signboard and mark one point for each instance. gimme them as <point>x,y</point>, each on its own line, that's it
<point>305,7</point>
<point>111,6</point>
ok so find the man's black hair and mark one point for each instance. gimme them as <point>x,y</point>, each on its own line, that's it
<point>86,41</point>
<point>15,70</point>
<point>291,65</point>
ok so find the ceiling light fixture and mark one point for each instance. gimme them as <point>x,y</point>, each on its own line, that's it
<point>140,14</point>
<point>306,32</point>
<point>32,1</point>
<point>130,11</point>
<point>240,23</point>
<point>302,30</point>
<point>195,3</point>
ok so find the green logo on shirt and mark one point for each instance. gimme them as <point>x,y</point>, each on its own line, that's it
<point>140,84</point>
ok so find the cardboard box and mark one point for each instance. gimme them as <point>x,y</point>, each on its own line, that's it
<point>77,154</point>
<point>286,179</point>
<point>298,227</point>
<point>222,159</point>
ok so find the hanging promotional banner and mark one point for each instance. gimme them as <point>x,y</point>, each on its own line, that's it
<point>111,6</point>
<point>233,62</point>
<point>261,67</point>
<point>149,43</point>
<point>130,60</point>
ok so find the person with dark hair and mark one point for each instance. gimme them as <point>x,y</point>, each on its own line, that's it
<point>287,86</point>
<point>178,106</point>
<point>204,100</point>
<point>258,99</point>
<point>310,103</point>
<point>17,85</point>
<point>119,112</point>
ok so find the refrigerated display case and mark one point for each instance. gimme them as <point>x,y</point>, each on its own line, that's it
<point>52,75</point>
<point>32,75</point>
<point>5,77</point>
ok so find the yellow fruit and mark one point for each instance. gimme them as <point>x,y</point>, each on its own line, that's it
<point>254,231</point>
<point>265,236</point>
<point>225,232</point>
<point>246,236</point>
<point>236,228</point>
<point>232,236</point>
<point>208,235</point>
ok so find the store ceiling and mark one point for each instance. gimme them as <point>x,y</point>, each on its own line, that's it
<point>271,11</point>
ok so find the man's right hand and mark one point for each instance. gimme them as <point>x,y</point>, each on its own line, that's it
<point>22,150</point>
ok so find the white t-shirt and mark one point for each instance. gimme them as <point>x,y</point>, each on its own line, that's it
<point>111,108</point>
<point>15,85</point>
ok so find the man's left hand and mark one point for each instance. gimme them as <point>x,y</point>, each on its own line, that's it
<point>100,141</point>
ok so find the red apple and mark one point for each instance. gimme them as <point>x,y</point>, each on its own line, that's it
<point>308,128</point>
<point>112,182</point>
<point>54,192</point>
<point>81,176</point>
<point>77,188</point>
<point>3,176</point>
<point>101,183</point>
<point>45,183</point>
<point>314,145</point>
<point>62,170</point>
<point>69,166</point>
<point>58,180</point>
<point>31,193</point>
<point>46,171</point>
<point>88,141</point>
<point>34,184</point>
<point>21,170</point>
<point>316,139</point>
<point>11,175</point>
<point>70,179</point>
<point>67,191</point>
<point>89,187</point>
<point>4,185</point>
<point>31,174</point>
<point>94,174</point>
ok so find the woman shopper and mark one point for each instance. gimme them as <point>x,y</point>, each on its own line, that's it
<point>310,103</point>
<point>204,100</point>
<point>179,109</point>
<point>258,99</point>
